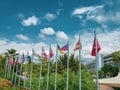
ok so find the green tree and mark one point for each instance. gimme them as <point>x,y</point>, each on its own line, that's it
<point>101,73</point>
<point>109,70</point>
<point>87,81</point>
<point>2,59</point>
<point>116,58</point>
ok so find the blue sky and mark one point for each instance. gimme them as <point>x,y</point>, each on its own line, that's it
<point>26,24</point>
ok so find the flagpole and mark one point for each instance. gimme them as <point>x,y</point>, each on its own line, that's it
<point>40,72</point>
<point>16,69</point>
<point>7,67</point>
<point>25,70</point>
<point>79,65</point>
<point>5,74</point>
<point>97,82</point>
<point>31,71</point>
<point>13,66</point>
<point>67,82</point>
<point>56,68</point>
<point>48,70</point>
<point>20,70</point>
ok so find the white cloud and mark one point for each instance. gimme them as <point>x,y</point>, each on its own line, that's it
<point>42,36</point>
<point>2,42</point>
<point>24,47</point>
<point>48,31</point>
<point>61,35</point>
<point>104,17</point>
<point>31,21</point>
<point>59,11</point>
<point>50,16</point>
<point>22,37</point>
<point>99,13</point>
<point>86,9</point>
<point>21,16</point>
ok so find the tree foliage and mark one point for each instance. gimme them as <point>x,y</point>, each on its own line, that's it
<point>116,58</point>
<point>108,70</point>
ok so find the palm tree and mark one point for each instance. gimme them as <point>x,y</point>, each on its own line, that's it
<point>10,54</point>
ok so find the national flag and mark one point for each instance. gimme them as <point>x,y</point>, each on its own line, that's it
<point>44,54</point>
<point>17,61</point>
<point>10,62</point>
<point>64,48</point>
<point>51,52</point>
<point>23,58</point>
<point>78,46</point>
<point>35,53</point>
<point>95,45</point>
<point>58,47</point>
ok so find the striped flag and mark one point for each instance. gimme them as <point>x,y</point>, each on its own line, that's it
<point>64,48</point>
<point>78,46</point>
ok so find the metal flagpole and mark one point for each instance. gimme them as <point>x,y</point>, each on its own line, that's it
<point>56,67</point>
<point>6,62</point>
<point>40,75</point>
<point>40,71</point>
<point>9,66</point>
<point>16,69</point>
<point>67,82</point>
<point>25,70</point>
<point>48,70</point>
<point>97,82</point>
<point>20,72</point>
<point>79,64</point>
<point>13,66</point>
<point>31,71</point>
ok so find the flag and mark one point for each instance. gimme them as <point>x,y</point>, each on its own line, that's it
<point>64,48</point>
<point>23,58</point>
<point>95,45</point>
<point>44,54</point>
<point>78,46</point>
<point>17,61</point>
<point>58,48</point>
<point>35,53</point>
<point>11,62</point>
<point>51,52</point>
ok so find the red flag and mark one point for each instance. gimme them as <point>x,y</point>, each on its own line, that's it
<point>44,54</point>
<point>95,45</point>
<point>78,46</point>
<point>51,53</point>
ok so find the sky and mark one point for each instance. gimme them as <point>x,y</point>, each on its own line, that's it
<point>27,24</point>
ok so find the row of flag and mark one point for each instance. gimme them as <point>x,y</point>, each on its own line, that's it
<point>78,46</point>
<point>65,48</point>
<point>61,50</point>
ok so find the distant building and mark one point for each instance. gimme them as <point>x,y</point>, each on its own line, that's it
<point>92,65</point>
<point>108,60</point>
<point>102,60</point>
